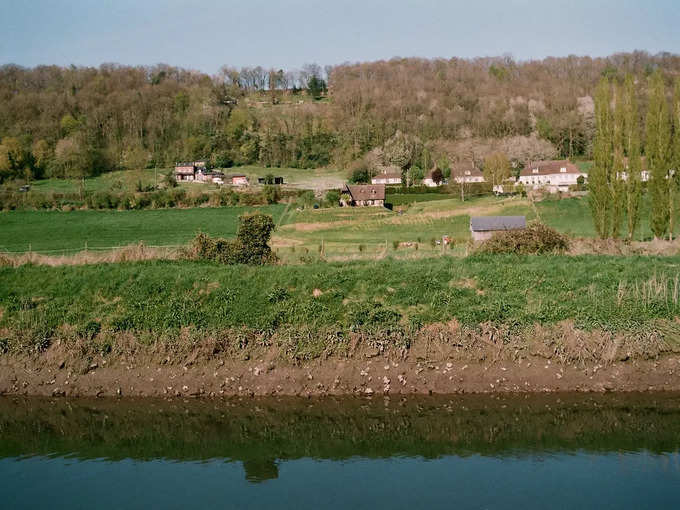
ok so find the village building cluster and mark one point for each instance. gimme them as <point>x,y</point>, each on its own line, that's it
<point>197,171</point>
<point>551,176</point>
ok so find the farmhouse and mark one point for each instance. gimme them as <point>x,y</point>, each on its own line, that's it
<point>236,179</point>
<point>552,176</point>
<point>185,171</point>
<point>389,175</point>
<point>363,195</point>
<point>466,173</point>
<point>483,227</point>
<point>430,182</point>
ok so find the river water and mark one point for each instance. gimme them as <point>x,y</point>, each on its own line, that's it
<point>539,451</point>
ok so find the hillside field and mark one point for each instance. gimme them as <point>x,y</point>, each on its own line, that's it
<point>127,180</point>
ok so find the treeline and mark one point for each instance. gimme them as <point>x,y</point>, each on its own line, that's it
<point>616,179</point>
<point>78,121</point>
<point>157,199</point>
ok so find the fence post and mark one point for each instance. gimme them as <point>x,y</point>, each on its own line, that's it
<point>85,247</point>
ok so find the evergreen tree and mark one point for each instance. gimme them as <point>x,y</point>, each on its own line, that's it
<point>657,150</point>
<point>600,175</point>
<point>634,167</point>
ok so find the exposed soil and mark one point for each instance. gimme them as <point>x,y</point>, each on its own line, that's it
<point>57,372</point>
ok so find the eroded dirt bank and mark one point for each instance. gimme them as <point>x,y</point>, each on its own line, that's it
<point>60,374</point>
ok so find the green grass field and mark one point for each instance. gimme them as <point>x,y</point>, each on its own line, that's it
<point>352,232</point>
<point>54,230</point>
<point>615,293</point>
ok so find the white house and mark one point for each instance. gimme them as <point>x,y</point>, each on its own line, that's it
<point>429,181</point>
<point>389,175</point>
<point>467,173</point>
<point>553,176</point>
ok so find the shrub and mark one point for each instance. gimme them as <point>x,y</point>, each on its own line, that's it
<point>536,238</point>
<point>270,194</point>
<point>332,198</point>
<point>249,247</point>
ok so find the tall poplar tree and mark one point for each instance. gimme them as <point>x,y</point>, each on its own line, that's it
<point>616,183</point>
<point>674,174</point>
<point>634,167</point>
<point>657,150</point>
<point>600,174</point>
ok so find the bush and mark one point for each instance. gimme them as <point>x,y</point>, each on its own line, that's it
<point>536,238</point>
<point>332,198</point>
<point>249,247</point>
<point>270,194</point>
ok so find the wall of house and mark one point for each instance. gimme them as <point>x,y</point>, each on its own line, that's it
<point>481,236</point>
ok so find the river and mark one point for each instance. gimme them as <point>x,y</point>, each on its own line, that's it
<point>528,451</point>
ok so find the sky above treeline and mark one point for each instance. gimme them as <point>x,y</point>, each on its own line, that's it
<point>206,34</point>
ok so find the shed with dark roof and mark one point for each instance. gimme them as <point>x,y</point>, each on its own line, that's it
<point>483,227</point>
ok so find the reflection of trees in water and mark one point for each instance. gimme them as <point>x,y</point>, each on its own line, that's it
<point>259,470</point>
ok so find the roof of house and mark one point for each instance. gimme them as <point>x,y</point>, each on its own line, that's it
<point>389,172</point>
<point>549,167</point>
<point>387,176</point>
<point>465,168</point>
<point>189,170</point>
<point>231,176</point>
<point>491,223</point>
<point>366,191</point>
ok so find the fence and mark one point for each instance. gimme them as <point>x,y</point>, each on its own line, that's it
<point>85,248</point>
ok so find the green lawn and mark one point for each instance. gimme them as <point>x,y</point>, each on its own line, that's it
<point>54,230</point>
<point>123,180</point>
<point>397,199</point>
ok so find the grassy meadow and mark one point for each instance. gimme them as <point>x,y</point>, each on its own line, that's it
<point>340,232</point>
<point>611,293</point>
<point>56,230</point>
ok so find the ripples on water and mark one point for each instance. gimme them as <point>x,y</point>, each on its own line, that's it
<point>606,451</point>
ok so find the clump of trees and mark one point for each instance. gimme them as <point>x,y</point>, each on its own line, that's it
<point>615,181</point>
<point>80,121</point>
<point>251,245</point>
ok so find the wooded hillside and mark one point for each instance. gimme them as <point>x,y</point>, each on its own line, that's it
<point>82,121</point>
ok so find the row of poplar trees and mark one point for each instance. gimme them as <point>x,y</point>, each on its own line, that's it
<point>615,181</point>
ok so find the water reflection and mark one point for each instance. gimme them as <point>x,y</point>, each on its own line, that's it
<point>485,451</point>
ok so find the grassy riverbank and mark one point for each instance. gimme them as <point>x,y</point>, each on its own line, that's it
<point>164,297</point>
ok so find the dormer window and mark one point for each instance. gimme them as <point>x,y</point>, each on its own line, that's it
<point>467,172</point>
<point>534,170</point>
<point>563,169</point>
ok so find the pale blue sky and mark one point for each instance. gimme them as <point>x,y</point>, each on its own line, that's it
<point>205,34</point>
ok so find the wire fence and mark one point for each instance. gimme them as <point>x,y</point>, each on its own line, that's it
<point>85,247</point>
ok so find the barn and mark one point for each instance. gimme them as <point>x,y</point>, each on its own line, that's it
<point>483,227</point>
